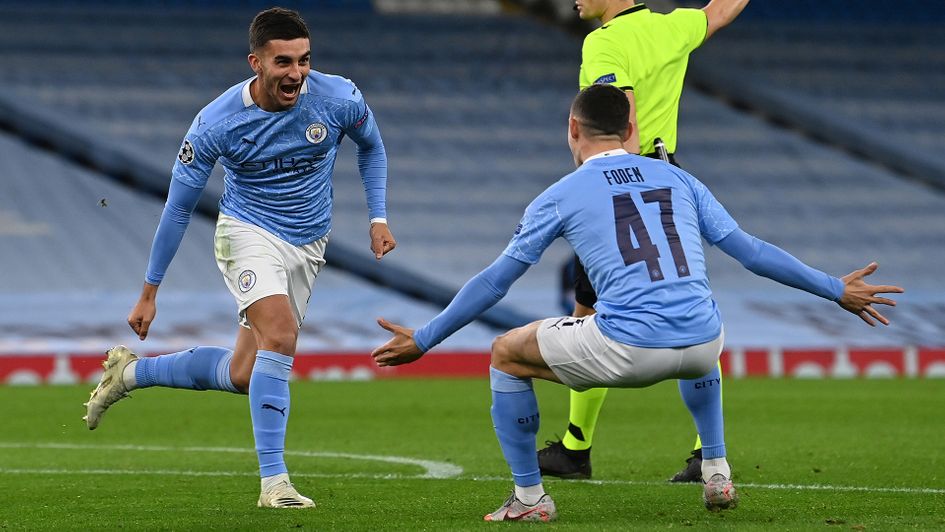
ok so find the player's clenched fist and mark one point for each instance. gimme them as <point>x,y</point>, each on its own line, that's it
<point>382,240</point>
<point>144,311</point>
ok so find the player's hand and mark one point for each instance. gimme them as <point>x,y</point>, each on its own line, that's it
<point>859,296</point>
<point>144,311</point>
<point>401,349</point>
<point>382,241</point>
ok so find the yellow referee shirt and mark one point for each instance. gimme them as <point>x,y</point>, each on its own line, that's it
<point>647,53</point>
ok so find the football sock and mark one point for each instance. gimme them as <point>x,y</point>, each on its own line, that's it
<point>530,495</point>
<point>582,420</point>
<point>198,368</point>
<point>269,408</point>
<point>515,418</point>
<point>698,444</point>
<point>703,398</point>
<point>716,465</point>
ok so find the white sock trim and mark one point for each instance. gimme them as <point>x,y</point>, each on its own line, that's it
<point>128,376</point>
<point>529,494</point>
<point>716,465</point>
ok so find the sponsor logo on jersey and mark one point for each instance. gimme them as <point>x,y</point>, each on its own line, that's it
<point>186,155</point>
<point>606,78</point>
<point>315,133</point>
<point>518,229</point>
<point>291,164</point>
<point>247,280</point>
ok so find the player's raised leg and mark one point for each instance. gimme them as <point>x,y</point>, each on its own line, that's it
<point>197,368</point>
<point>515,360</point>
<point>703,398</point>
<point>276,330</point>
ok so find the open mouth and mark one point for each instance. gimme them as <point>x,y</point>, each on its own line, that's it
<point>289,91</point>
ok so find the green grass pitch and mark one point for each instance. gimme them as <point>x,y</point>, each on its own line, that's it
<point>806,455</point>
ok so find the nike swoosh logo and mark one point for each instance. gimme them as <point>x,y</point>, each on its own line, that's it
<point>543,514</point>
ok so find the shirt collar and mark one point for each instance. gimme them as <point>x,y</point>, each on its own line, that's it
<point>608,153</point>
<point>634,9</point>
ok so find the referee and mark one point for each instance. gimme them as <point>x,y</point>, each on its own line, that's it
<point>645,54</point>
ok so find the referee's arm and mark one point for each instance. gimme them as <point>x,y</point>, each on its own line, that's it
<point>720,13</point>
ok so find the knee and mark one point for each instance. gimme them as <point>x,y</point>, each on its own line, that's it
<point>281,340</point>
<point>502,355</point>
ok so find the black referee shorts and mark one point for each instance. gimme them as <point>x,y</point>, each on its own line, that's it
<point>584,293</point>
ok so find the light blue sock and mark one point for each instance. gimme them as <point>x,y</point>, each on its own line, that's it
<point>703,398</point>
<point>269,408</point>
<point>199,368</point>
<point>515,418</point>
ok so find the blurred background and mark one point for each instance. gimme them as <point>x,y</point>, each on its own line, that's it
<point>818,124</point>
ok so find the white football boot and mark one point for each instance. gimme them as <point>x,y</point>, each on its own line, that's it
<point>515,510</point>
<point>284,495</point>
<point>111,388</point>
<point>719,493</point>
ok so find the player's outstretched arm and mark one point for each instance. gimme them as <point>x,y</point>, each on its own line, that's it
<point>859,296</point>
<point>851,292</point>
<point>721,13</point>
<point>485,289</point>
<point>401,349</point>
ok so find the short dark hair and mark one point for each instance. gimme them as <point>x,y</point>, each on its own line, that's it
<point>603,109</point>
<point>276,23</point>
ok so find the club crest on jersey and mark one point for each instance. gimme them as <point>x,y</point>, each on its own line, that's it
<point>315,133</point>
<point>606,78</point>
<point>247,280</point>
<point>186,155</point>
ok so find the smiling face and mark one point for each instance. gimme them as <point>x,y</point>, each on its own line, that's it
<point>281,67</point>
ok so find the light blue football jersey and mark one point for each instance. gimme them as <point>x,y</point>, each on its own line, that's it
<point>637,225</point>
<point>278,165</point>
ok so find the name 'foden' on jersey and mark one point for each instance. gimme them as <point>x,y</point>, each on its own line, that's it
<point>620,176</point>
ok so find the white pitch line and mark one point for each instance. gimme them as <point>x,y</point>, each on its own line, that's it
<point>394,476</point>
<point>812,487</point>
<point>431,468</point>
<point>434,470</point>
<point>191,473</point>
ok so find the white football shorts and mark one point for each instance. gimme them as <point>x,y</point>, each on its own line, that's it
<point>583,358</point>
<point>257,264</point>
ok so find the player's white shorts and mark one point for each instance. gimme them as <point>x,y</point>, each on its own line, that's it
<point>582,357</point>
<point>257,264</point>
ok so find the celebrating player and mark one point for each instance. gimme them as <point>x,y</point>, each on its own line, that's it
<point>636,225</point>
<point>645,54</point>
<point>277,136</point>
